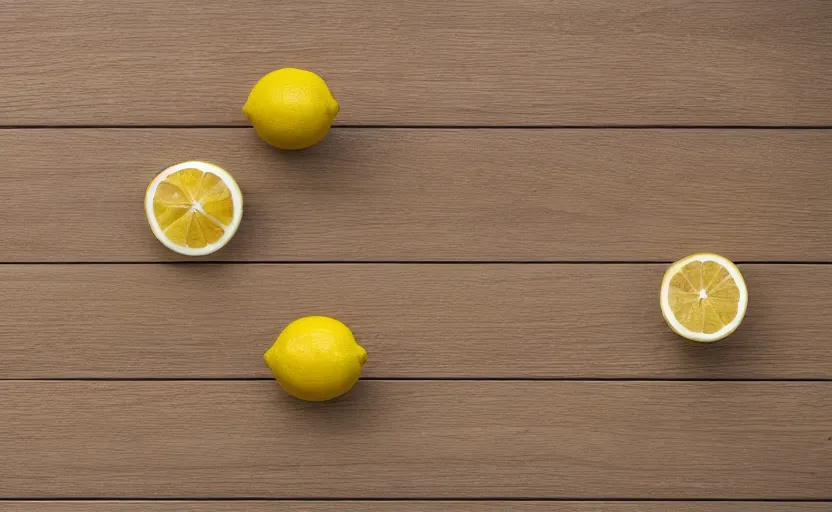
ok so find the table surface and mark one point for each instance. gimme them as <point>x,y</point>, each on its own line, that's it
<point>492,214</point>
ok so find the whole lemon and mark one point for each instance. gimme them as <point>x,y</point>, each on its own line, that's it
<point>316,358</point>
<point>291,108</point>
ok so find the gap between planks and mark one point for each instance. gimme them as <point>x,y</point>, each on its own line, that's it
<point>423,379</point>
<point>400,262</point>
<point>421,127</point>
<point>613,500</point>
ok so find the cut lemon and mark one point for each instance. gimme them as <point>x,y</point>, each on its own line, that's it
<point>194,208</point>
<point>703,297</point>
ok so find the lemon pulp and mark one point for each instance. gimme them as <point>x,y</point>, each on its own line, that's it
<point>194,208</point>
<point>703,297</point>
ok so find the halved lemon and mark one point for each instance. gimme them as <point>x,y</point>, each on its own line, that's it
<point>703,297</point>
<point>194,208</point>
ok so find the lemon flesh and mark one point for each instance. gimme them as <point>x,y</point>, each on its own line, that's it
<point>291,108</point>
<point>193,208</point>
<point>703,297</point>
<point>316,358</point>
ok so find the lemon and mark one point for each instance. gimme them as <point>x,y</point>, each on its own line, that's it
<point>703,297</point>
<point>291,108</point>
<point>194,208</point>
<point>316,358</point>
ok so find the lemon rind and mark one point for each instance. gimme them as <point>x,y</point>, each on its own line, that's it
<point>742,303</point>
<point>230,230</point>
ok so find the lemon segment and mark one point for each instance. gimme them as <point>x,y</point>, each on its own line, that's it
<point>194,208</point>
<point>291,108</point>
<point>703,297</point>
<point>316,358</point>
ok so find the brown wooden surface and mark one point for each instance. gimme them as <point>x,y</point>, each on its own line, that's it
<point>417,440</point>
<point>422,61</point>
<point>511,381</point>
<point>75,195</point>
<point>415,320</point>
<point>415,506</point>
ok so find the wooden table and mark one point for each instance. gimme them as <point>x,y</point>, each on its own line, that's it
<point>492,214</point>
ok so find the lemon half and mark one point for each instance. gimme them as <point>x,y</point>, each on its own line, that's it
<point>194,208</point>
<point>703,297</point>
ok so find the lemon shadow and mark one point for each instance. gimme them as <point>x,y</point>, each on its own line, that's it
<point>727,358</point>
<point>358,409</point>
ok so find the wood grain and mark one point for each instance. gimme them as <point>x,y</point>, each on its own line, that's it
<point>415,195</point>
<point>397,506</point>
<point>590,321</point>
<point>418,439</point>
<point>583,62</point>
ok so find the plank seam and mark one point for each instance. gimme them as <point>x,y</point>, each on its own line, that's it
<point>422,127</point>
<point>425,379</point>
<point>452,499</point>
<point>399,262</point>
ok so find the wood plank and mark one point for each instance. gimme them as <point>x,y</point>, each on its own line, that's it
<point>423,61</point>
<point>398,506</point>
<point>435,194</point>
<point>418,439</point>
<point>589,321</point>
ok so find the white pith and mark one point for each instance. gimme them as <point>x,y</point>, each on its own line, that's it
<point>229,231</point>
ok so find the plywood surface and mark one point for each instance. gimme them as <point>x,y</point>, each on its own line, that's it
<point>432,62</point>
<point>414,506</point>
<point>417,439</point>
<point>587,321</point>
<point>456,195</point>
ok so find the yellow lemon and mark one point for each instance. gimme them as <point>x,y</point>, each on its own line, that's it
<point>194,208</point>
<point>703,297</point>
<point>316,358</point>
<point>291,108</point>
